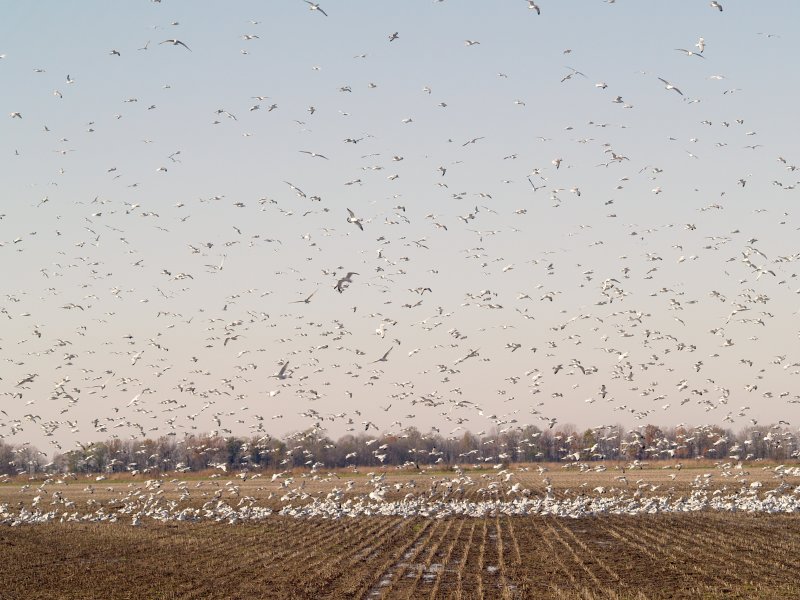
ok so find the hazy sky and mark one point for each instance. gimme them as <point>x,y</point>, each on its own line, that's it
<point>536,195</point>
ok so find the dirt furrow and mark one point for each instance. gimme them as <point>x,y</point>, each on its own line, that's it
<point>666,541</point>
<point>593,554</point>
<point>658,562</point>
<point>600,586</point>
<point>459,594</point>
<point>447,557</point>
<point>385,573</point>
<point>408,586</point>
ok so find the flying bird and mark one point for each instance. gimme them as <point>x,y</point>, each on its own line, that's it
<point>176,43</point>
<point>313,6</point>
<point>354,220</point>
<point>669,86</point>
<point>689,52</point>
<point>340,287</point>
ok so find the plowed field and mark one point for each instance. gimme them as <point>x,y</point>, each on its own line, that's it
<point>704,555</point>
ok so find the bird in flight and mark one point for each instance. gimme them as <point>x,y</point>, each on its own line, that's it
<point>306,300</point>
<point>393,36</point>
<point>669,86</point>
<point>354,220</point>
<point>282,373</point>
<point>472,141</point>
<point>385,357</point>
<point>689,52</point>
<point>176,43</point>
<point>314,154</point>
<point>313,6</point>
<point>717,5</point>
<point>340,287</point>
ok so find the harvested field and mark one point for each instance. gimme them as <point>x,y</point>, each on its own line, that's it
<point>256,537</point>
<point>705,555</point>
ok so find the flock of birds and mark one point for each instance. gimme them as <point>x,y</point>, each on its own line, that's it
<point>464,494</point>
<point>512,282</point>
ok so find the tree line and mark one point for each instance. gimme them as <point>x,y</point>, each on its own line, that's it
<point>314,449</point>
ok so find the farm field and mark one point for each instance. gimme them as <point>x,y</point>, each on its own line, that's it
<point>698,554</point>
<point>706,555</point>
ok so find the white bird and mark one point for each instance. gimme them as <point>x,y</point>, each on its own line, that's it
<point>689,52</point>
<point>669,86</point>
<point>176,43</point>
<point>701,44</point>
<point>313,6</point>
<point>717,5</point>
<point>354,220</point>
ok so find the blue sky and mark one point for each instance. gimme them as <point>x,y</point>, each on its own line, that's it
<point>127,190</point>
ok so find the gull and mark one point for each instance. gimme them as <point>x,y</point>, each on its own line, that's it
<point>176,43</point>
<point>346,279</point>
<point>472,141</point>
<point>314,154</point>
<point>532,6</point>
<point>313,6</point>
<point>354,220</point>
<point>715,4</point>
<point>689,52</point>
<point>669,86</point>
<point>393,36</point>
<point>15,115</point>
<point>471,43</point>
